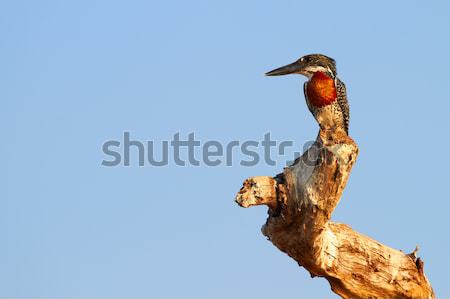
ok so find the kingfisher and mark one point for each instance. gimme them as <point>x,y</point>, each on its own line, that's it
<point>325,93</point>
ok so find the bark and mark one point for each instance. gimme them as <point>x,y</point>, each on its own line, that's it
<point>301,201</point>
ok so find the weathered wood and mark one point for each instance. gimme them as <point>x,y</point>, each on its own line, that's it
<point>301,201</point>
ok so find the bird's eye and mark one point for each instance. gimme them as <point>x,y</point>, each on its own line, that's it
<point>306,59</point>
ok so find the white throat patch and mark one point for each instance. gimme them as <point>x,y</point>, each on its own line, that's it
<point>310,70</point>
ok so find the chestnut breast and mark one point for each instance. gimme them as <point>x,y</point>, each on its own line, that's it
<point>321,90</point>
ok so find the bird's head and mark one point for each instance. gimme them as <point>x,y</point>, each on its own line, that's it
<point>307,66</point>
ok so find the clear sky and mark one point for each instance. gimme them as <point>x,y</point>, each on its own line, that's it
<point>74,74</point>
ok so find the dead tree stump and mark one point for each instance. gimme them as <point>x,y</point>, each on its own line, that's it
<point>301,201</point>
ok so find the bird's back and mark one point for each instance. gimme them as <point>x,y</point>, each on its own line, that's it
<point>341,92</point>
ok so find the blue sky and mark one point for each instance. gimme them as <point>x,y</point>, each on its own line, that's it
<point>74,74</point>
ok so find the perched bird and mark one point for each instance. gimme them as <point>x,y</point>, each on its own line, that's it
<point>325,94</point>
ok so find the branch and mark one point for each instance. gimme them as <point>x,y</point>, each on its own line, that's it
<point>301,201</point>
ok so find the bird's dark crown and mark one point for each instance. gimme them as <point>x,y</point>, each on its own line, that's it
<point>315,62</point>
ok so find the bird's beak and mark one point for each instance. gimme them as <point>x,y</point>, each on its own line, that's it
<point>293,68</point>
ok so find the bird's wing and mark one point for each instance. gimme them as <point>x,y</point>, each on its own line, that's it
<point>342,101</point>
